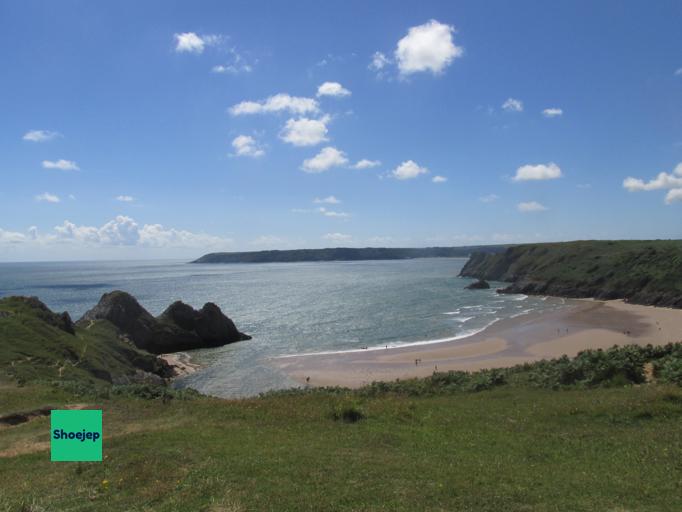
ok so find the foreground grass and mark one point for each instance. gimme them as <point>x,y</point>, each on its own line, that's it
<point>510,448</point>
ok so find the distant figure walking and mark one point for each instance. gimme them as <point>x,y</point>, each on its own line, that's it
<point>307,380</point>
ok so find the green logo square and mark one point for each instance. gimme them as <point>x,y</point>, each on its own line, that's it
<point>76,435</point>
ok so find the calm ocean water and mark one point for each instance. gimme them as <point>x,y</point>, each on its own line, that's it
<point>288,308</point>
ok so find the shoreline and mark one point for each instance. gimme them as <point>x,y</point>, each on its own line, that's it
<point>181,364</point>
<point>582,324</point>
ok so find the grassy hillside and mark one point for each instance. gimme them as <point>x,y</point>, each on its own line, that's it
<point>345,254</point>
<point>508,448</point>
<point>643,272</point>
<point>32,348</point>
<point>601,431</point>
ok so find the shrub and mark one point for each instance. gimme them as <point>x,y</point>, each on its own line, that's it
<point>349,412</point>
<point>669,369</point>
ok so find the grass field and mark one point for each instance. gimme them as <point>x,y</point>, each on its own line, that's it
<point>510,448</point>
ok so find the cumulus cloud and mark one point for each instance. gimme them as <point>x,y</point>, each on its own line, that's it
<point>439,179</point>
<point>550,171</point>
<point>125,199</point>
<point>673,196</point>
<point>337,237</point>
<point>427,47</point>
<point>245,145</point>
<point>120,234</point>
<point>189,42</point>
<point>662,181</point>
<point>124,231</point>
<point>490,198</point>
<point>512,105</point>
<point>332,89</point>
<point>327,200</point>
<point>304,131</point>
<point>278,103</point>
<point>62,165</point>
<point>40,135</point>
<point>530,207</point>
<point>408,170</point>
<point>48,198</point>
<point>327,158</point>
<point>552,112</point>
<point>366,164</point>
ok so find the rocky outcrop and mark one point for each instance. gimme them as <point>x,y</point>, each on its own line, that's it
<point>209,323</point>
<point>180,327</point>
<point>639,271</point>
<point>480,284</point>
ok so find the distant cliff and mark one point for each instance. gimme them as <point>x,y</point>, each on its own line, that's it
<point>347,254</point>
<point>642,272</point>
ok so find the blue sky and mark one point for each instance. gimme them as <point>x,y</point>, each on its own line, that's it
<point>170,129</point>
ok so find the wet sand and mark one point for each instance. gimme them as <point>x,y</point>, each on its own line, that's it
<point>582,324</point>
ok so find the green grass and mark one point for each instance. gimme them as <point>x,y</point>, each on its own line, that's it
<point>512,448</point>
<point>32,349</point>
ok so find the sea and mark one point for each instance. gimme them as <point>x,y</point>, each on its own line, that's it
<point>288,308</point>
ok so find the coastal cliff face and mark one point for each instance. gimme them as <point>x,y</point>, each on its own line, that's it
<point>641,272</point>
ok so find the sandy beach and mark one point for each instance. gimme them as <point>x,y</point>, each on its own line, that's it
<point>582,324</point>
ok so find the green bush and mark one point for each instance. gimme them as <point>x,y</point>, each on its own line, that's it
<point>669,369</point>
<point>348,411</point>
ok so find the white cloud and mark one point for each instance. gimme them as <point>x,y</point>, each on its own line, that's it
<point>439,179</point>
<point>124,231</point>
<point>304,131</point>
<point>332,89</point>
<point>427,47</point>
<point>231,69</point>
<point>277,103</point>
<point>379,61</point>
<point>531,206</point>
<point>11,237</point>
<point>40,135</point>
<point>366,164</point>
<point>550,171</point>
<point>62,165</point>
<point>327,158</point>
<point>189,42</point>
<point>238,65</point>
<point>552,112</point>
<point>490,198</point>
<point>674,195</point>
<point>512,105</point>
<point>245,145</point>
<point>125,199</point>
<point>331,213</point>
<point>327,200</point>
<point>118,236</point>
<point>678,72</point>
<point>337,237</point>
<point>408,170</point>
<point>663,180</point>
<point>48,198</point>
